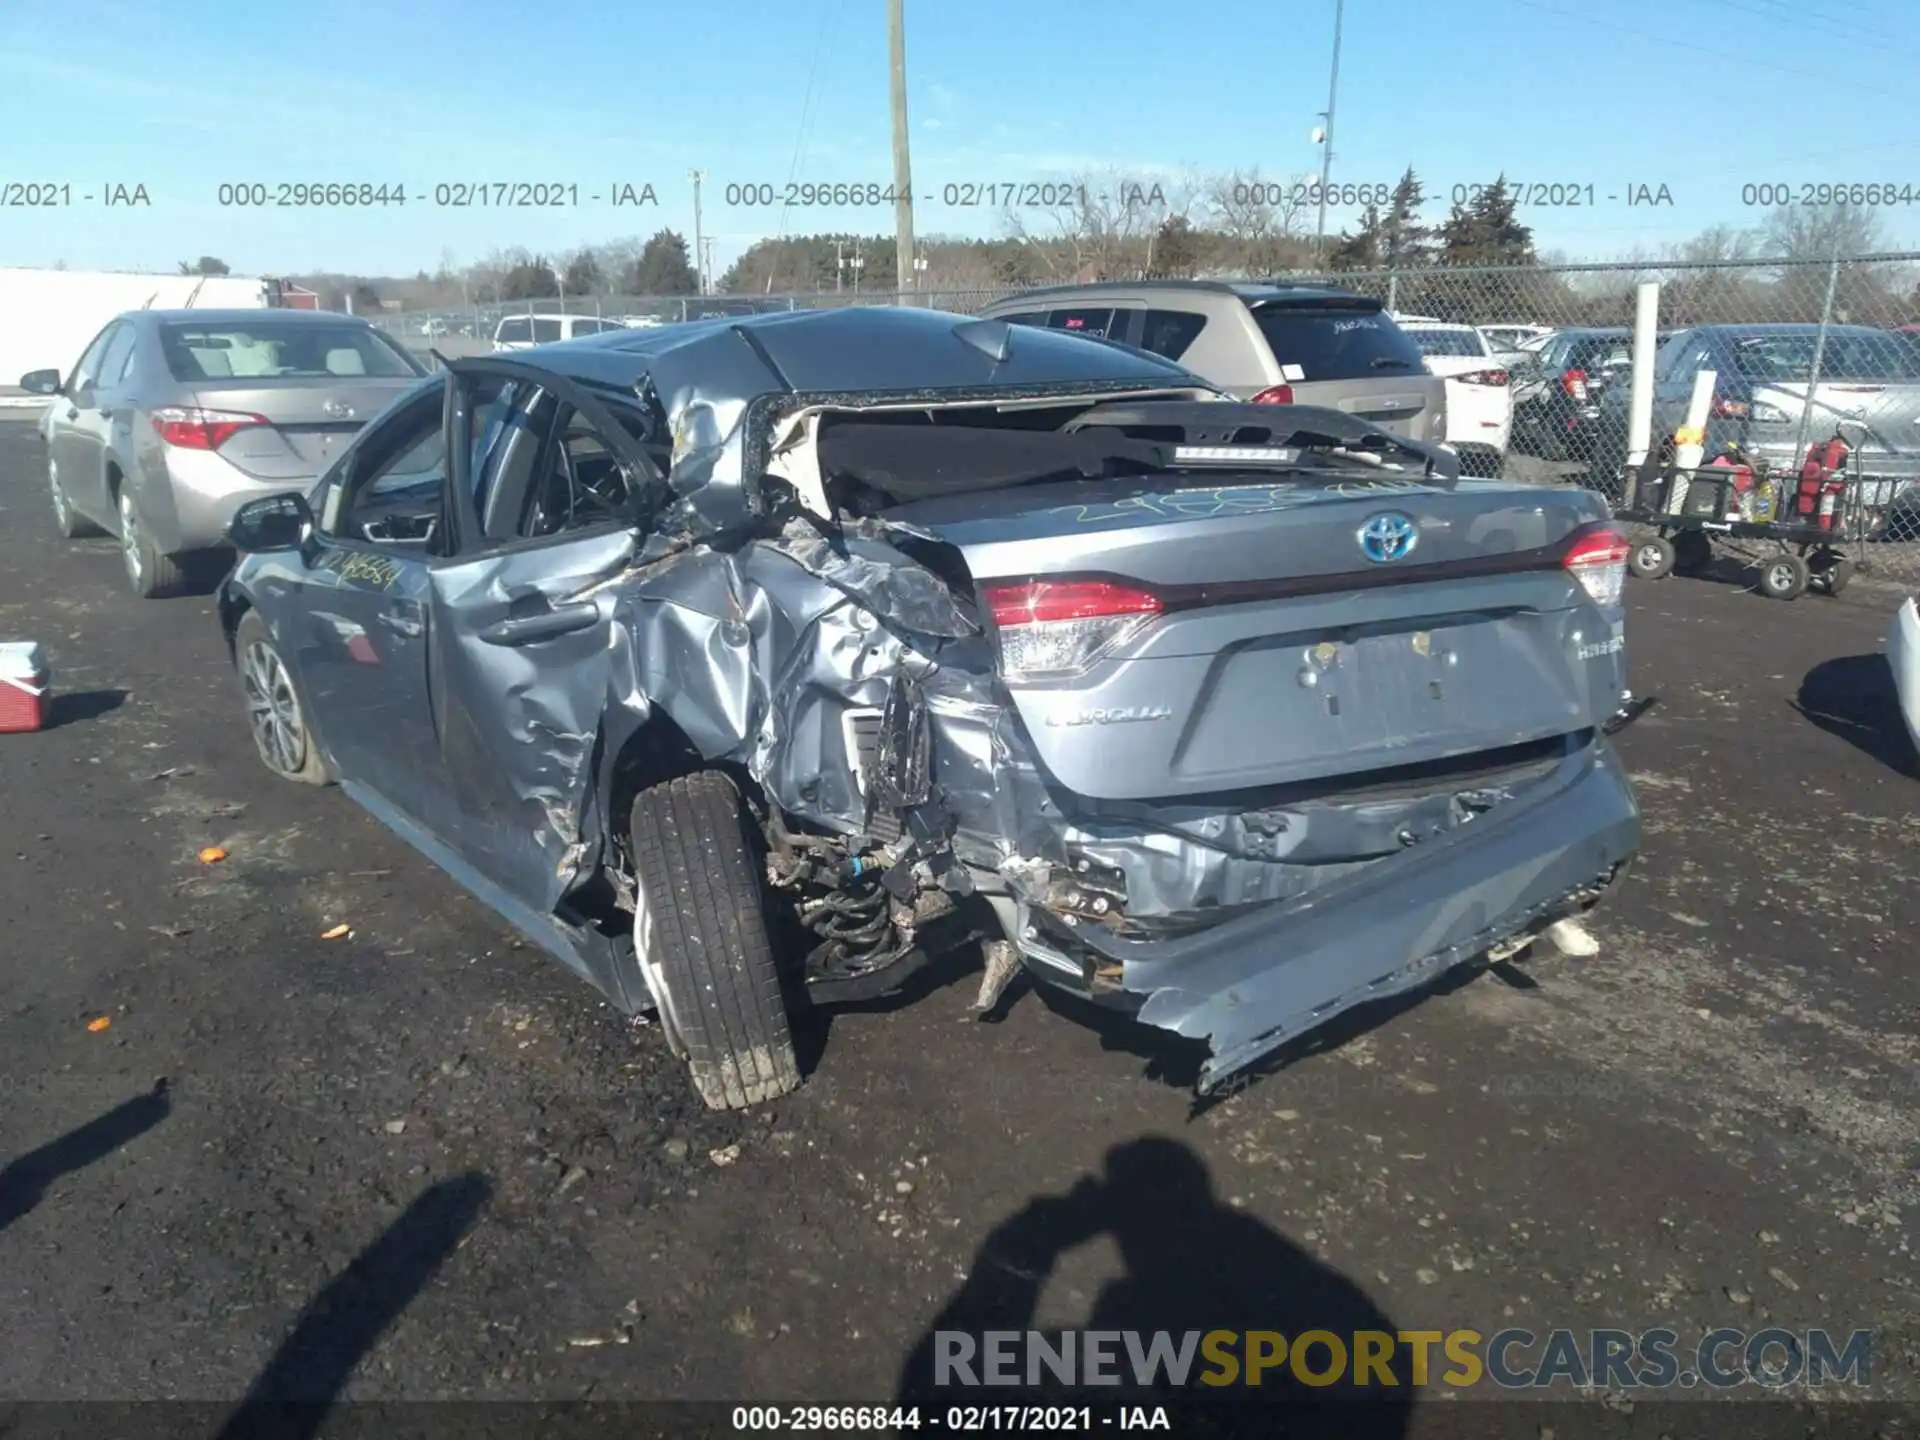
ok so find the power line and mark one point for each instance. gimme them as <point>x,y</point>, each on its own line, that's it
<point>1800,16</point>
<point>824,41</point>
<point>1668,42</point>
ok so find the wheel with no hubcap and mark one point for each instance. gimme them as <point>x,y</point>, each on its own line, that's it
<point>700,937</point>
<point>1831,571</point>
<point>150,573</point>
<point>1783,577</point>
<point>1651,558</point>
<point>67,520</point>
<point>274,713</point>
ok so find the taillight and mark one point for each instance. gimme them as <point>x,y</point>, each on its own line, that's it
<point>1484,377</point>
<point>1574,382</point>
<point>1723,409</point>
<point>1054,628</point>
<point>195,429</point>
<point>1274,395</point>
<point>1598,560</point>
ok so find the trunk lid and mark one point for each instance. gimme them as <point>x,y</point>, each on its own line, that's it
<point>1281,651</point>
<point>1401,404</point>
<point>311,422</point>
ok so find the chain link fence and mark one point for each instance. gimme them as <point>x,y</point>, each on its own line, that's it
<point>1804,353</point>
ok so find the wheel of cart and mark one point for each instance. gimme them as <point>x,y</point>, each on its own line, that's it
<point>1651,557</point>
<point>1783,576</point>
<point>1829,570</point>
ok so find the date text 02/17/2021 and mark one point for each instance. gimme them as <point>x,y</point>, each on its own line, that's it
<point>958,1419</point>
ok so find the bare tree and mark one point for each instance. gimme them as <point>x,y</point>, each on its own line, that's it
<point>1261,217</point>
<point>1718,245</point>
<point>1101,230</point>
<point>1807,232</point>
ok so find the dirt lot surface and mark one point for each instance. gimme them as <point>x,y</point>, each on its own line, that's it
<point>419,1160</point>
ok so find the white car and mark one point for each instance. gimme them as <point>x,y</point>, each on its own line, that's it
<point>523,332</point>
<point>1479,400</point>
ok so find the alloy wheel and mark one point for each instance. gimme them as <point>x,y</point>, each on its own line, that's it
<point>273,712</point>
<point>62,511</point>
<point>130,542</point>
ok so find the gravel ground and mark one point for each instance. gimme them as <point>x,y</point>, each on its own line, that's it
<point>420,1161</point>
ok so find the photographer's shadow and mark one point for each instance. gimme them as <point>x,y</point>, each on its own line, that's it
<point>1192,1264</point>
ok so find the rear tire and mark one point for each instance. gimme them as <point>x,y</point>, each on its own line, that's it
<point>1831,572</point>
<point>1783,577</point>
<point>1651,558</point>
<point>701,939</point>
<point>151,575</point>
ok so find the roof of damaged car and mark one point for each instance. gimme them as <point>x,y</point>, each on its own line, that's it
<point>867,349</point>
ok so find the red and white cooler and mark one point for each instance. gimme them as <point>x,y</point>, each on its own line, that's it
<point>26,687</point>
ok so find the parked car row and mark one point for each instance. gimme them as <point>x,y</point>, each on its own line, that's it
<point>1036,642</point>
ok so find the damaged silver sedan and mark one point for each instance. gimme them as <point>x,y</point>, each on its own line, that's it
<point>743,664</point>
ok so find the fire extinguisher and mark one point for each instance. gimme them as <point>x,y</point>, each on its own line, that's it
<point>1817,496</point>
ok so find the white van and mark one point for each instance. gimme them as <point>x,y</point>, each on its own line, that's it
<point>522,332</point>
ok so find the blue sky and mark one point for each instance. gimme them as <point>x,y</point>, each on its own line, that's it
<point>1702,96</point>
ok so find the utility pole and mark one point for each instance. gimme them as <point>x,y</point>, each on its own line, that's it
<point>839,265</point>
<point>699,250</point>
<point>1326,141</point>
<point>706,265</point>
<point>902,171</point>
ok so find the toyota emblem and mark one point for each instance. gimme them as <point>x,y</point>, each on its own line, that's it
<point>1388,536</point>
<point>338,409</point>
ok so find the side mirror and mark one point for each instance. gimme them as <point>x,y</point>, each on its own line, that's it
<point>41,382</point>
<point>273,522</point>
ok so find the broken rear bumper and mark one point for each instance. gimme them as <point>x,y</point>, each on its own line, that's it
<point>1252,983</point>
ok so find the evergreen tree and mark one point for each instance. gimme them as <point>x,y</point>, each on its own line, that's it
<point>1404,241</point>
<point>1360,250</point>
<point>1487,231</point>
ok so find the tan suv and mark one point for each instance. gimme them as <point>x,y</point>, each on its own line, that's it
<point>1264,341</point>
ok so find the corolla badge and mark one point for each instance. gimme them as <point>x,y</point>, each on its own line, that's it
<point>1388,536</point>
<point>1117,715</point>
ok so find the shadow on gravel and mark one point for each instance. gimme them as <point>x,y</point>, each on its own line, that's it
<point>290,1398</point>
<point>73,708</point>
<point>1853,697</point>
<point>24,1182</point>
<point>1193,1264</point>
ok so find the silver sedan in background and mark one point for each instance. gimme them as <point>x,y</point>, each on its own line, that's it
<point>173,419</point>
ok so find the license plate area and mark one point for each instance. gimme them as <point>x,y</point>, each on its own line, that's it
<point>1362,700</point>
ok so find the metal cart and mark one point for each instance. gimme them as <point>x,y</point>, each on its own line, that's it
<point>1692,513</point>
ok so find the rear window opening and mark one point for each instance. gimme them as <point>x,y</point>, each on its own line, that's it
<point>1789,357</point>
<point>281,350</point>
<point>1338,342</point>
<point>870,462</point>
<point>1448,342</point>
